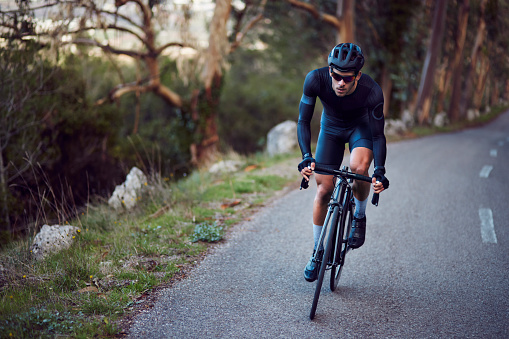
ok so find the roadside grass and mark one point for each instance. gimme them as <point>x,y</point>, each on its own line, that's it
<point>119,257</point>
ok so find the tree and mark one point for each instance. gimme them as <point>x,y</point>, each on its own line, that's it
<point>457,61</point>
<point>205,102</point>
<point>138,19</point>
<point>343,20</point>
<point>389,25</point>
<point>429,68</point>
<point>474,57</point>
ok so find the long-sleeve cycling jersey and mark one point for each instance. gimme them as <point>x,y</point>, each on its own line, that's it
<point>341,113</point>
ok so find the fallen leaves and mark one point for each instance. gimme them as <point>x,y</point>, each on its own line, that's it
<point>230,204</point>
<point>89,289</point>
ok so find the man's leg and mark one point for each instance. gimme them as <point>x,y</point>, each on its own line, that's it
<point>325,185</point>
<point>360,159</point>
<point>329,152</point>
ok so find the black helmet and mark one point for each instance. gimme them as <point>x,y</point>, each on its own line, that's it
<point>346,57</point>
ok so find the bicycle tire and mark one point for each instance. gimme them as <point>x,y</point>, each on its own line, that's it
<point>341,242</point>
<point>326,254</point>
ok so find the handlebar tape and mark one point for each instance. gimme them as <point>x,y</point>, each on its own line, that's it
<point>304,183</point>
<point>375,198</point>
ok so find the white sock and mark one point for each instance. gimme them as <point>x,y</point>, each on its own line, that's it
<point>360,208</point>
<point>317,230</point>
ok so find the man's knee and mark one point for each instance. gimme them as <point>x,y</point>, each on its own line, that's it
<point>360,160</point>
<point>323,193</point>
<point>360,167</point>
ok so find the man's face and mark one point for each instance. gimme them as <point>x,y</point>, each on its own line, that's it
<point>343,83</point>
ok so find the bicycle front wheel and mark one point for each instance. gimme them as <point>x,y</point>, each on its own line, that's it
<point>341,248</point>
<point>328,252</point>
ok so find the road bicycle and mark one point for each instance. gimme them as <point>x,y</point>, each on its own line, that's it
<point>338,223</point>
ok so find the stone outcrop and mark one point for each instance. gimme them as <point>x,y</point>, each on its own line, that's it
<point>53,239</point>
<point>441,120</point>
<point>126,194</point>
<point>282,138</point>
<point>394,127</point>
<point>226,166</point>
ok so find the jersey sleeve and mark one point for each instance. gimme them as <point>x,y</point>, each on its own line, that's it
<point>376,121</point>
<point>306,110</point>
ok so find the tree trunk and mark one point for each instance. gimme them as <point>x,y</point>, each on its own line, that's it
<point>471,71</point>
<point>495,94</point>
<point>206,103</point>
<point>457,64</point>
<point>481,84</point>
<point>346,15</point>
<point>444,80</point>
<point>428,71</point>
<point>386,88</point>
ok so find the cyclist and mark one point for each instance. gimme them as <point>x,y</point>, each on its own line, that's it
<point>352,113</point>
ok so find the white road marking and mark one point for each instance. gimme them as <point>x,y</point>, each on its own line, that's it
<point>487,227</point>
<point>485,171</point>
<point>493,153</point>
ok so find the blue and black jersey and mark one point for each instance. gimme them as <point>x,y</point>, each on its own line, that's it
<point>356,119</point>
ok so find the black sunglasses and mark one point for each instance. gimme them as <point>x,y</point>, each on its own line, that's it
<point>347,79</point>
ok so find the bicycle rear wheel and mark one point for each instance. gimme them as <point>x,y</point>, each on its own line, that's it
<point>341,247</point>
<point>328,252</point>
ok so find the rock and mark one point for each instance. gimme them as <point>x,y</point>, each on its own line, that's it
<point>473,114</point>
<point>441,119</point>
<point>408,118</point>
<point>126,194</point>
<point>225,166</point>
<point>282,138</point>
<point>394,127</point>
<point>52,239</point>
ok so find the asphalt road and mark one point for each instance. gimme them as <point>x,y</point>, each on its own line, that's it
<point>435,263</point>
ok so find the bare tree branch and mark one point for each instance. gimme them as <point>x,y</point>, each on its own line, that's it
<point>106,48</point>
<point>239,36</point>
<point>32,8</point>
<point>117,15</point>
<point>330,19</point>
<point>164,92</point>
<point>171,44</point>
<point>114,27</point>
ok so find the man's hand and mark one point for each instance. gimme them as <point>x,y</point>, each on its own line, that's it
<point>306,167</point>
<point>380,182</point>
<point>378,187</point>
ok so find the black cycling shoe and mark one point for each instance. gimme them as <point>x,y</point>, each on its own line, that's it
<point>313,267</point>
<point>358,233</point>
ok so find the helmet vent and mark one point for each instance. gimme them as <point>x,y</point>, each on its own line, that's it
<point>344,54</point>
<point>347,57</point>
